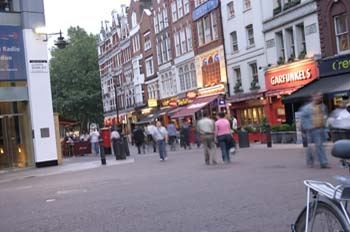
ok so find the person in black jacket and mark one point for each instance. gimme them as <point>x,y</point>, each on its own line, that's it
<point>139,138</point>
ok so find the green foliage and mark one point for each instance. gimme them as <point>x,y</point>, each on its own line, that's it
<point>75,81</point>
<point>250,129</point>
<point>283,127</point>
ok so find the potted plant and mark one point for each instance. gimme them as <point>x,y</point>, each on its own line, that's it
<point>302,55</point>
<point>280,60</point>
<point>254,84</point>
<point>238,86</point>
<point>291,58</point>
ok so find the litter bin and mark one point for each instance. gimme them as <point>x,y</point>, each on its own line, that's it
<point>120,153</point>
<point>126,146</point>
<point>243,138</point>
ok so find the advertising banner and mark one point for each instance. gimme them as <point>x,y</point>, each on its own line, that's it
<point>12,61</point>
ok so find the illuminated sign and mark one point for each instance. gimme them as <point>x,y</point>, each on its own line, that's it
<point>173,103</point>
<point>167,102</point>
<point>191,94</point>
<point>152,102</point>
<point>183,102</point>
<point>216,89</point>
<point>335,66</point>
<point>294,75</point>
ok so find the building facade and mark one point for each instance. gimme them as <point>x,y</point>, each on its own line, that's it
<point>245,58</point>
<point>27,131</point>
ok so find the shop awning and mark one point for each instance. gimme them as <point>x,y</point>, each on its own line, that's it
<point>151,117</point>
<point>246,96</point>
<point>331,86</point>
<point>195,106</point>
<point>281,92</point>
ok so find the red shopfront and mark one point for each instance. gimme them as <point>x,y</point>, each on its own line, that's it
<point>284,80</point>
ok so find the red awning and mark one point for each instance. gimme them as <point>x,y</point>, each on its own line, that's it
<point>195,106</point>
<point>246,96</point>
<point>281,92</point>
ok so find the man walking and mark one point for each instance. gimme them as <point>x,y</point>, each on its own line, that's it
<point>206,129</point>
<point>172,135</point>
<point>313,122</point>
<point>160,134</point>
<point>139,138</point>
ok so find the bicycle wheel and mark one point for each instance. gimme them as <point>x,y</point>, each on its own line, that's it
<point>327,218</point>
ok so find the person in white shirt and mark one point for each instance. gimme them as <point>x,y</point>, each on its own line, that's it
<point>94,136</point>
<point>115,137</point>
<point>160,134</point>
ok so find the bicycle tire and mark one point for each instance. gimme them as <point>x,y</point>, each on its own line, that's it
<point>331,211</point>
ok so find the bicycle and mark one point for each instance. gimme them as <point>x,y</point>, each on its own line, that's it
<point>328,209</point>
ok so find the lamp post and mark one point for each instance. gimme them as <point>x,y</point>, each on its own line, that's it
<point>61,43</point>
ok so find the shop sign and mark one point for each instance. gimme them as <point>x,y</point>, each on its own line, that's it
<point>173,103</point>
<point>152,102</point>
<point>183,102</point>
<point>205,8</point>
<point>216,89</point>
<point>294,75</point>
<point>191,94</point>
<point>12,62</point>
<point>335,66</point>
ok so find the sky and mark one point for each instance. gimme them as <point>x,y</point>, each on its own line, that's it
<point>87,14</point>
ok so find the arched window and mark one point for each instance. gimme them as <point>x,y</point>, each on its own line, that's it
<point>133,19</point>
<point>187,77</point>
<point>210,60</point>
<point>193,76</point>
<point>182,79</point>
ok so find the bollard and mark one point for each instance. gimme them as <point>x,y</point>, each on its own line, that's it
<point>268,136</point>
<point>102,152</point>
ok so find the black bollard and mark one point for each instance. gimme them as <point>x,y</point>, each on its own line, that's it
<point>268,136</point>
<point>102,152</point>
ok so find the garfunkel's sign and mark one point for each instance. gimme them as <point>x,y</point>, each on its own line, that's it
<point>292,75</point>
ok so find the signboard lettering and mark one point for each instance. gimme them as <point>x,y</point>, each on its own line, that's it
<point>291,77</point>
<point>152,102</point>
<point>335,66</point>
<point>205,8</point>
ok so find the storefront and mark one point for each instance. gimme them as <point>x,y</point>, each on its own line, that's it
<point>283,81</point>
<point>334,83</point>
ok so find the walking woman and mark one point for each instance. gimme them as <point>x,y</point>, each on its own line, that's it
<point>223,136</point>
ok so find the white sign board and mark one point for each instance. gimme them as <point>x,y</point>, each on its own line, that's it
<point>38,66</point>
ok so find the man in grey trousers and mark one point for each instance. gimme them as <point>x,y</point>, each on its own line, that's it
<point>206,129</point>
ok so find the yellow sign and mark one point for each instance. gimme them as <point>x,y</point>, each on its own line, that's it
<point>152,102</point>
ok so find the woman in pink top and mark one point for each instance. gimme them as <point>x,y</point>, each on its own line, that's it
<point>224,137</point>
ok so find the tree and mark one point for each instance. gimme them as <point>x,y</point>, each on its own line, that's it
<point>75,81</point>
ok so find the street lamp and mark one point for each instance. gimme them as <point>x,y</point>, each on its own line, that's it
<point>61,43</point>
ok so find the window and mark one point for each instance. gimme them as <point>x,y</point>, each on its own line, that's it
<point>250,35</point>
<point>156,26</point>
<point>173,10</point>
<point>168,47</point>
<point>159,54</point>
<point>193,76</point>
<point>149,66</point>
<point>290,44</point>
<point>160,21</point>
<point>254,71</point>
<point>183,41</point>
<point>300,33</point>
<point>207,29</point>
<point>164,51</point>
<point>148,44</point>
<point>182,79</point>
<point>230,10</point>
<point>189,37</point>
<point>214,25</point>
<point>238,84</point>
<point>180,9</point>
<point>5,5</point>
<point>165,16</point>
<point>280,47</point>
<point>187,6</point>
<point>133,19</point>
<point>234,41</point>
<point>187,77</point>
<point>200,32</point>
<point>342,32</point>
<point>177,44</point>
<point>246,4</point>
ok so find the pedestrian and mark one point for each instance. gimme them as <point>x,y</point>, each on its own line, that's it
<point>185,134</point>
<point>150,140</point>
<point>206,130</point>
<point>313,122</point>
<point>223,136</point>
<point>139,139</point>
<point>115,139</point>
<point>84,136</point>
<point>94,137</point>
<point>172,135</point>
<point>160,134</point>
<point>234,127</point>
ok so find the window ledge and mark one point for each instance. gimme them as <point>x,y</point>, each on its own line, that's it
<point>231,17</point>
<point>250,46</point>
<point>248,9</point>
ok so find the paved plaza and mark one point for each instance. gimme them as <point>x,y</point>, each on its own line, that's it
<point>262,190</point>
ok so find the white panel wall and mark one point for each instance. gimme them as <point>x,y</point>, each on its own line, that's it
<point>39,90</point>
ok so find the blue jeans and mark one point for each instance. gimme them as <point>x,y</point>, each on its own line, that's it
<point>317,136</point>
<point>94,148</point>
<point>162,148</point>
<point>225,143</point>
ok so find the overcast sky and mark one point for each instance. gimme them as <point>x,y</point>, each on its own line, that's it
<point>61,14</point>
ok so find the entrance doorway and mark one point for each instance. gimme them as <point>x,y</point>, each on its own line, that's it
<point>15,145</point>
